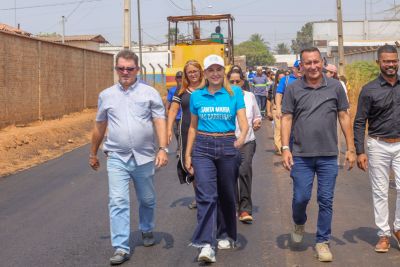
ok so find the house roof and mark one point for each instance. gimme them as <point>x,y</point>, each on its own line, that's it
<point>8,28</point>
<point>94,38</point>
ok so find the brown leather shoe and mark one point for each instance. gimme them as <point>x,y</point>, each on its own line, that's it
<point>396,235</point>
<point>383,244</point>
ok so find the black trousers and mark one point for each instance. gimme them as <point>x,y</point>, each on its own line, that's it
<point>246,176</point>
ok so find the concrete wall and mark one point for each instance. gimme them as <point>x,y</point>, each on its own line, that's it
<point>44,80</point>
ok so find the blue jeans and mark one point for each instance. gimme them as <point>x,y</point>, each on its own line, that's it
<point>261,102</point>
<point>303,172</point>
<point>216,167</point>
<point>119,175</point>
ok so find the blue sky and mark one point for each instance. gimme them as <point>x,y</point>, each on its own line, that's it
<point>276,21</point>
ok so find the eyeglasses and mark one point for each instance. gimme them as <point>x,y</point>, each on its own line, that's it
<point>178,77</point>
<point>234,81</point>
<point>192,72</point>
<point>128,69</point>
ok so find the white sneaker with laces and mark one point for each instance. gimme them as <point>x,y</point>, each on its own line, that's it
<point>207,254</point>
<point>297,234</point>
<point>224,244</point>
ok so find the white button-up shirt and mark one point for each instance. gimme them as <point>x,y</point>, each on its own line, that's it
<point>252,113</point>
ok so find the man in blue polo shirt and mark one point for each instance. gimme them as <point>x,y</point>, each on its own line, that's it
<point>283,83</point>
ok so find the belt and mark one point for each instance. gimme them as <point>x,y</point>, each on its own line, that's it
<point>387,140</point>
<point>216,134</point>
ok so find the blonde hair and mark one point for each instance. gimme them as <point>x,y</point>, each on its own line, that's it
<point>225,84</point>
<point>185,79</point>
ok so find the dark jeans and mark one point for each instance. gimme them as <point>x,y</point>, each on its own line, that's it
<point>246,177</point>
<point>303,172</point>
<point>261,102</point>
<point>216,163</point>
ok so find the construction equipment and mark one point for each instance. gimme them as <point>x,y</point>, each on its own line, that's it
<point>199,44</point>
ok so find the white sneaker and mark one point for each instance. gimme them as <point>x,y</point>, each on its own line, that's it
<point>297,234</point>
<point>207,254</point>
<point>224,244</point>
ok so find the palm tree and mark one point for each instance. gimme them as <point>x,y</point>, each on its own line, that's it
<point>282,49</point>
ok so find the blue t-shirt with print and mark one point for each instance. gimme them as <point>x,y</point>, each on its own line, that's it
<point>216,113</point>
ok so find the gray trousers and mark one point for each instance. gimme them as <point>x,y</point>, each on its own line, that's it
<point>246,176</point>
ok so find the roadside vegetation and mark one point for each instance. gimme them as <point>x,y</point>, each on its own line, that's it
<point>358,74</point>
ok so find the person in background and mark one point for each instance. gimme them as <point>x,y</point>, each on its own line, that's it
<point>193,79</point>
<point>245,205</point>
<point>331,72</point>
<point>271,109</point>
<point>130,111</point>
<point>170,95</point>
<point>378,107</point>
<point>217,36</point>
<point>213,157</point>
<point>260,89</point>
<point>246,84</point>
<point>250,75</point>
<point>283,83</point>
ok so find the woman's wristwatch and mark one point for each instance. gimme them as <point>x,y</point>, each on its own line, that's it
<point>163,148</point>
<point>285,148</point>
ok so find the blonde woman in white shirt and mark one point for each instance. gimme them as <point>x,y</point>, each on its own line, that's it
<point>253,115</point>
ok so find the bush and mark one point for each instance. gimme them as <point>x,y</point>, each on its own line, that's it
<point>358,74</point>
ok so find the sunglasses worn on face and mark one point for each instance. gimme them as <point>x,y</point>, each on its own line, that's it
<point>234,81</point>
<point>128,69</point>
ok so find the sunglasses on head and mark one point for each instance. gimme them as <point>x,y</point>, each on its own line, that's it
<point>128,69</point>
<point>234,81</point>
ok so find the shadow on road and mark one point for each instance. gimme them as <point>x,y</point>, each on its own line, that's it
<point>365,234</point>
<point>136,239</point>
<point>284,242</point>
<point>184,201</point>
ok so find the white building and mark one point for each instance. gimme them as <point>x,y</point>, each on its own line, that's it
<point>358,32</point>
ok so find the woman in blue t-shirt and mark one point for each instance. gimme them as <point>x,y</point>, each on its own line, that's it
<point>212,155</point>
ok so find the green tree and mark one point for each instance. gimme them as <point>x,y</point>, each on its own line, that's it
<point>282,49</point>
<point>256,51</point>
<point>304,38</point>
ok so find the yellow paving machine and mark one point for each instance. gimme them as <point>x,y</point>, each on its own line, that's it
<point>199,43</point>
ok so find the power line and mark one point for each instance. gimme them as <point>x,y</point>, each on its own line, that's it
<point>151,37</point>
<point>48,5</point>
<point>175,5</point>
<point>73,11</point>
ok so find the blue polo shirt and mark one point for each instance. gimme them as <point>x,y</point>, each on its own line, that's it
<point>216,113</point>
<point>284,82</point>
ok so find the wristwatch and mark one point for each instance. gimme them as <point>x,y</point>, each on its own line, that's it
<point>163,148</point>
<point>285,148</point>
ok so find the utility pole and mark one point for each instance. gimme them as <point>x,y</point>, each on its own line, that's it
<point>340,36</point>
<point>192,5</point>
<point>127,24</point>
<point>15,13</point>
<point>140,39</point>
<point>63,29</point>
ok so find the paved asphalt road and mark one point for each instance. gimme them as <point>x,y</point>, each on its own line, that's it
<point>56,215</point>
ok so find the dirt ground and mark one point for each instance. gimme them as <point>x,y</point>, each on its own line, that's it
<point>29,145</point>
